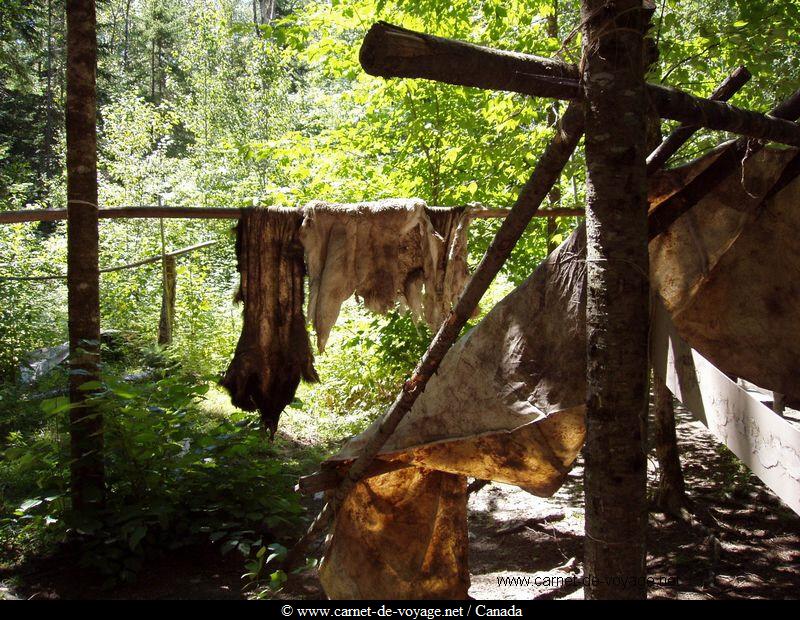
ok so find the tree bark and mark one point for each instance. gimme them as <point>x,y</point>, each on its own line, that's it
<point>617,304</point>
<point>671,492</point>
<point>390,51</point>
<point>83,279</point>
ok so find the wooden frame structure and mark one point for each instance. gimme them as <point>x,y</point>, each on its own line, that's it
<point>389,51</point>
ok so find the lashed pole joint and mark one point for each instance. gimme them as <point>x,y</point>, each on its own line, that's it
<point>732,84</point>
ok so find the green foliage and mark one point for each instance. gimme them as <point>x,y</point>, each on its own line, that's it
<point>175,474</point>
<point>199,106</point>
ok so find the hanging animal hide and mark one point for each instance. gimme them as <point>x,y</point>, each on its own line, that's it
<point>387,253</point>
<point>507,403</point>
<point>727,274</point>
<point>416,547</point>
<point>450,271</point>
<point>273,352</point>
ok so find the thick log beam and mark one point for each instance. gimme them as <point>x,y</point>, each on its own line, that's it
<point>390,51</point>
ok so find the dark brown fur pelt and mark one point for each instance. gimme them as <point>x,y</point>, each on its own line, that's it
<point>274,351</point>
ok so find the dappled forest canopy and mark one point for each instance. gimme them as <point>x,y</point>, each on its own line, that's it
<point>241,103</point>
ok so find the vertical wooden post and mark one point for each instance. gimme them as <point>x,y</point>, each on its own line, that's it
<point>169,276</point>
<point>671,493</point>
<point>87,480</point>
<point>617,301</point>
<point>778,403</point>
<point>168,290</point>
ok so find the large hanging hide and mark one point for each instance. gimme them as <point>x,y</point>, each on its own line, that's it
<point>415,543</point>
<point>506,405</point>
<point>508,401</point>
<point>387,253</point>
<point>727,272</point>
<point>273,352</point>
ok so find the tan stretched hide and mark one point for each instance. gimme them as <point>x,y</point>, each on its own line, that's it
<point>728,272</point>
<point>410,527</point>
<point>387,253</point>
<point>508,401</point>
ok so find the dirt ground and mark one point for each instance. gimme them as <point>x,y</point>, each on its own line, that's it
<point>748,545</point>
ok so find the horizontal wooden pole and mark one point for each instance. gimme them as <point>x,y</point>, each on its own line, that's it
<point>145,261</point>
<point>487,213</point>
<point>214,213</point>
<point>390,51</point>
<point>53,215</point>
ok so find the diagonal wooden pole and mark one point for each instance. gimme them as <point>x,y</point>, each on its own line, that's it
<point>544,176</point>
<point>674,141</point>
<point>325,480</point>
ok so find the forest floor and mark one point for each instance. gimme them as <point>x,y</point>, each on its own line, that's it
<point>753,552</point>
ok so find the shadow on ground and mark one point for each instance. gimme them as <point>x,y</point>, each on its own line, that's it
<point>748,545</point>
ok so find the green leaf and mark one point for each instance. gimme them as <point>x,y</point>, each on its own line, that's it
<point>28,504</point>
<point>52,406</point>
<point>138,533</point>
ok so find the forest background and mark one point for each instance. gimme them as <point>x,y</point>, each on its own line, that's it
<point>236,103</point>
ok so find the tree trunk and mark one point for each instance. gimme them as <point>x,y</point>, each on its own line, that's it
<point>617,305</point>
<point>127,34</point>
<point>153,69</point>
<point>83,279</point>
<point>267,10</point>
<point>670,495</point>
<point>47,167</point>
